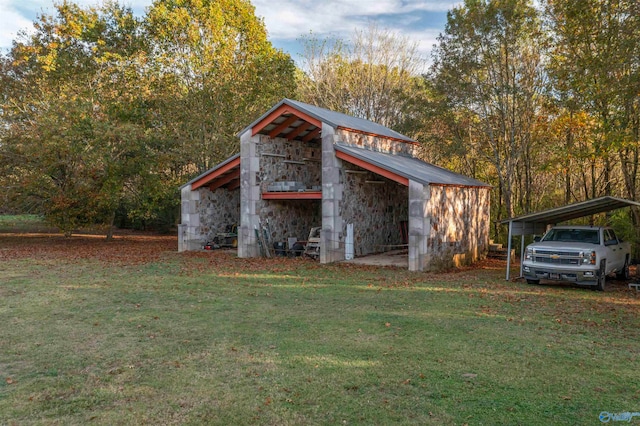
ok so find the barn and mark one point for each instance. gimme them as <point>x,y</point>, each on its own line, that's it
<point>355,182</point>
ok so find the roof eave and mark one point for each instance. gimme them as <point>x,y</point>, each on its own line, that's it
<point>214,168</point>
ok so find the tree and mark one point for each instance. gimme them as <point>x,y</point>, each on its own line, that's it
<point>214,72</point>
<point>74,111</point>
<point>375,76</point>
<point>595,67</point>
<point>488,68</point>
<point>104,114</point>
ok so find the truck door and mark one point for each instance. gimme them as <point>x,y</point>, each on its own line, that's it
<point>615,259</point>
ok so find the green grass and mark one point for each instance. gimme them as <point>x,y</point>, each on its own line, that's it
<point>209,338</point>
<point>24,223</point>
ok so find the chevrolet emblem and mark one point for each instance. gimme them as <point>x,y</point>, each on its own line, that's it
<point>555,256</point>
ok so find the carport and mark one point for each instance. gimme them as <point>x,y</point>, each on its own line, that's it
<point>537,223</point>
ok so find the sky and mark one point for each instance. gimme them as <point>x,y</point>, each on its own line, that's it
<point>286,20</point>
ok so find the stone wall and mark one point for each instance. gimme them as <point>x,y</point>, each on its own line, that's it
<point>375,209</point>
<point>459,218</point>
<point>376,143</point>
<point>290,218</point>
<point>205,213</point>
<point>284,160</point>
<point>218,209</point>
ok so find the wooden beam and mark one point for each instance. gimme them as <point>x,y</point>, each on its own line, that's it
<point>223,180</point>
<point>283,126</point>
<point>283,110</point>
<point>204,180</point>
<point>234,185</point>
<point>312,134</point>
<point>307,195</point>
<point>373,168</point>
<point>295,132</point>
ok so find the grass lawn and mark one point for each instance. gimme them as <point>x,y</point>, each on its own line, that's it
<point>24,223</point>
<point>132,332</point>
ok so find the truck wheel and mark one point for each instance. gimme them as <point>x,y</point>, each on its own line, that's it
<point>624,273</point>
<point>602,276</point>
<point>534,282</point>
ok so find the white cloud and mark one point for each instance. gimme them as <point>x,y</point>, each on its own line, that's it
<point>286,20</point>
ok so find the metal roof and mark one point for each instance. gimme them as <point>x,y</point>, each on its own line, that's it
<point>574,211</point>
<point>332,118</point>
<point>535,223</point>
<point>410,167</point>
<point>211,170</point>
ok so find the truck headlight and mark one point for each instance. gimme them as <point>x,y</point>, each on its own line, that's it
<point>589,258</point>
<point>528,254</point>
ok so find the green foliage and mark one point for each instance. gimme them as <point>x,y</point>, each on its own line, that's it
<point>105,114</point>
<point>488,72</point>
<point>214,72</point>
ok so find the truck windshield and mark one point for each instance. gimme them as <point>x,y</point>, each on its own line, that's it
<point>573,235</point>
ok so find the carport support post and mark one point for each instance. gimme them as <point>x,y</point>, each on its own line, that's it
<point>521,254</point>
<point>509,251</point>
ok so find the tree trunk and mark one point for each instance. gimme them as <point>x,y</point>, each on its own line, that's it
<point>112,220</point>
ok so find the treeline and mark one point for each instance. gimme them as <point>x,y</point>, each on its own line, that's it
<point>105,114</point>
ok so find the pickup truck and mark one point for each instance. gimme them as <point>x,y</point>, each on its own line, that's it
<point>581,254</point>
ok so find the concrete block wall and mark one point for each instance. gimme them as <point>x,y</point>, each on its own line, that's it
<point>419,226</point>
<point>376,210</point>
<point>249,195</point>
<point>332,236</point>
<point>190,236</point>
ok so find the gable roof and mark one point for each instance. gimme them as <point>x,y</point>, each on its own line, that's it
<point>313,116</point>
<point>225,174</point>
<point>405,168</point>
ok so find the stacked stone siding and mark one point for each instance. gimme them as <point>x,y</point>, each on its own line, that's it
<point>218,209</point>
<point>375,209</point>
<point>375,143</point>
<point>283,160</point>
<point>459,218</point>
<point>290,218</point>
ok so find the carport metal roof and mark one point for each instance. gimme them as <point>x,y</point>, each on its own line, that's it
<point>536,223</point>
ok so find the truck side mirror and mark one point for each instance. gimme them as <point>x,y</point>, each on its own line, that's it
<point>536,239</point>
